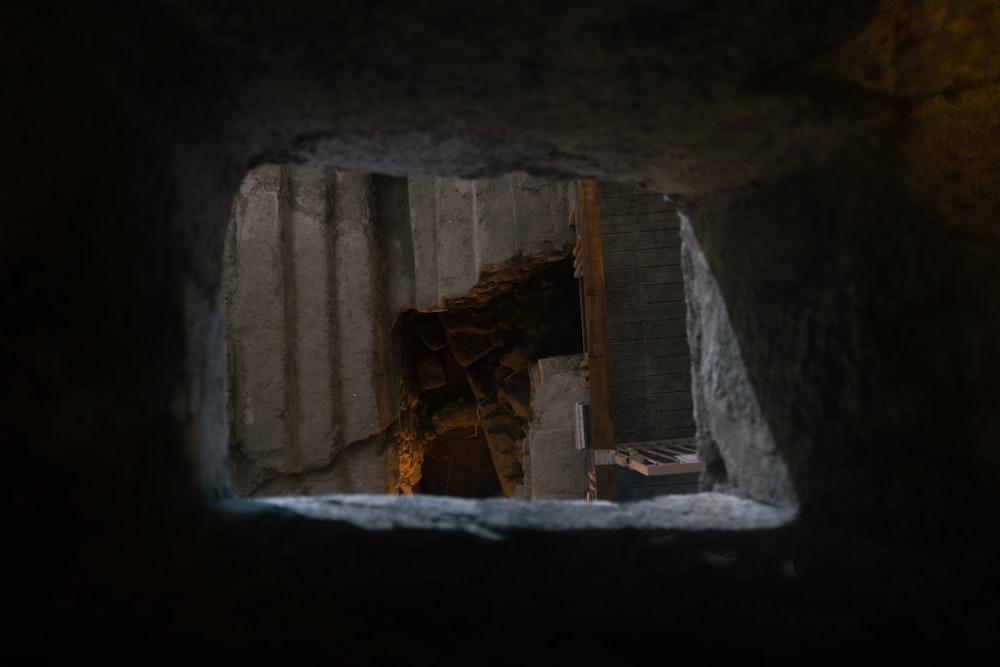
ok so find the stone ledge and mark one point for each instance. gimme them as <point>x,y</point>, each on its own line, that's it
<point>493,518</point>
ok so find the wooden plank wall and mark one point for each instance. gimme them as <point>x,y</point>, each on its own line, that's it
<point>650,362</point>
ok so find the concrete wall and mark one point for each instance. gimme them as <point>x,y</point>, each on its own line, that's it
<point>461,226</point>
<point>306,340</point>
<point>553,467</point>
<point>318,265</point>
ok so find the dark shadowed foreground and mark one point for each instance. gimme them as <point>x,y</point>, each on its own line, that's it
<point>838,165</point>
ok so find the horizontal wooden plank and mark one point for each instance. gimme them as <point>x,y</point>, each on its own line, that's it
<point>641,240</point>
<point>667,420</point>
<point>663,347</point>
<point>645,203</point>
<point>653,384</point>
<point>647,293</point>
<point>629,277</point>
<point>641,259</point>
<point>653,330</point>
<point>631,222</point>
<point>655,403</point>
<point>623,313</point>
<point>645,367</point>
<point>624,434</point>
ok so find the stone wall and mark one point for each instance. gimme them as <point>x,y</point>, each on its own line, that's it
<point>463,226</point>
<point>734,439</point>
<point>318,266</point>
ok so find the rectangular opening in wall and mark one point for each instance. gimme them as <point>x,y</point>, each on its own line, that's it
<point>426,335</point>
<point>403,350</point>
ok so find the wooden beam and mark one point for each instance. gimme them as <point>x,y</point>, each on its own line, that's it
<point>591,250</point>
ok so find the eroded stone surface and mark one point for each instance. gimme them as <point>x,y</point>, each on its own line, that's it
<point>520,310</point>
<point>734,439</point>
<point>494,518</point>
<point>845,159</point>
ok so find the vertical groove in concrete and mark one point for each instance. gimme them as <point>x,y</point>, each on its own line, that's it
<point>513,209</point>
<point>354,243</point>
<point>309,274</point>
<point>380,278</point>
<point>395,275</point>
<point>289,313</point>
<point>332,314</point>
<point>436,224</point>
<point>474,227</point>
<point>423,215</point>
<point>230,278</point>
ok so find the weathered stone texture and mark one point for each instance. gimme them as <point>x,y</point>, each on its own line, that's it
<point>838,160</point>
<point>554,468</point>
<point>303,323</point>
<point>319,264</point>
<point>734,439</point>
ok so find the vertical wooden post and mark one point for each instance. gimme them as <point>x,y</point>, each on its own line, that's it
<point>602,435</point>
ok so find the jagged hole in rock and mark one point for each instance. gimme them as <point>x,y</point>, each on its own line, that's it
<point>466,389</point>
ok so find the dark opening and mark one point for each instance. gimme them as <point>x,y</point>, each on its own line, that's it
<point>466,393</point>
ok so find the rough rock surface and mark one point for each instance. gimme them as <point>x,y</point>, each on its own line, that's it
<point>495,518</point>
<point>839,161</point>
<point>520,310</point>
<point>734,439</point>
